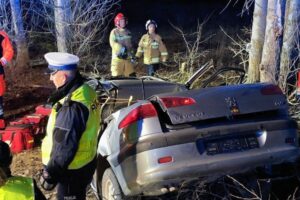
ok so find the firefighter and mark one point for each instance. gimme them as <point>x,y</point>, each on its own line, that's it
<point>152,47</point>
<point>69,147</point>
<point>6,54</point>
<point>15,187</point>
<point>120,42</point>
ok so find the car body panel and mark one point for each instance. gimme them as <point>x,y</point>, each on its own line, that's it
<point>141,89</point>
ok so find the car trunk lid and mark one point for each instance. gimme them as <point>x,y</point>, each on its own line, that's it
<point>217,102</point>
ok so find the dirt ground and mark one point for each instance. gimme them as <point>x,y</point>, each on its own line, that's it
<point>24,92</point>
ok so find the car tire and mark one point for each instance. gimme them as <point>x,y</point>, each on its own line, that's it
<point>111,189</point>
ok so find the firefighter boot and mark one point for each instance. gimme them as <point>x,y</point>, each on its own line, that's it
<point>2,124</point>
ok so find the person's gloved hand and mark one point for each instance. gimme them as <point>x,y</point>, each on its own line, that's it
<point>134,60</point>
<point>3,62</point>
<point>164,60</point>
<point>123,53</point>
<point>47,182</point>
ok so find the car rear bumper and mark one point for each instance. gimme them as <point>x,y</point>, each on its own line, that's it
<point>143,174</point>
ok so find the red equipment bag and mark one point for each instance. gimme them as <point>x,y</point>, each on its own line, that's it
<point>38,122</point>
<point>18,137</point>
<point>43,109</point>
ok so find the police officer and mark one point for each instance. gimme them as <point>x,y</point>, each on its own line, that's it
<point>69,148</point>
<point>152,48</point>
<point>6,54</point>
<point>15,187</point>
<point>120,42</point>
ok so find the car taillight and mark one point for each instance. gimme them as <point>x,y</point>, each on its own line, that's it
<point>165,159</point>
<point>271,90</point>
<point>170,102</point>
<point>140,112</point>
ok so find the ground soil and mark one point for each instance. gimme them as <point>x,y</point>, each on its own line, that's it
<point>25,91</point>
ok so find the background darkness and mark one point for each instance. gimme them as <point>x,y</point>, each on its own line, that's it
<point>185,13</point>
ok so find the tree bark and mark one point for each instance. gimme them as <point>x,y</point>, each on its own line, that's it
<point>271,49</point>
<point>290,39</point>
<point>22,61</point>
<point>62,12</point>
<point>257,39</point>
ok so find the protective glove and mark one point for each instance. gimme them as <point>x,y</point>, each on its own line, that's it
<point>47,182</point>
<point>134,60</point>
<point>164,60</point>
<point>3,61</point>
<point>122,53</point>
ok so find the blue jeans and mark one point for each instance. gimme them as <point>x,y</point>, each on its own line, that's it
<point>151,69</point>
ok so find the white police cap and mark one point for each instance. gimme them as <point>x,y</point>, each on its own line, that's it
<point>61,61</point>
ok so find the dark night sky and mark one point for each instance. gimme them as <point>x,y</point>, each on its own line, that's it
<point>185,13</point>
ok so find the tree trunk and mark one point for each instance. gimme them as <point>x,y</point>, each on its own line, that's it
<point>22,61</point>
<point>271,49</point>
<point>257,39</point>
<point>62,12</point>
<point>290,39</point>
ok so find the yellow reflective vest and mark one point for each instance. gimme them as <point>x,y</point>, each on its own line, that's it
<point>117,39</point>
<point>87,148</point>
<point>153,48</point>
<point>17,188</point>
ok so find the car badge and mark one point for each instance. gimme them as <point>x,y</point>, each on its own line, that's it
<point>232,105</point>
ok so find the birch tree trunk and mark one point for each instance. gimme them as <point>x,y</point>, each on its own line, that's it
<point>257,39</point>
<point>22,61</point>
<point>271,49</point>
<point>290,39</point>
<point>62,12</point>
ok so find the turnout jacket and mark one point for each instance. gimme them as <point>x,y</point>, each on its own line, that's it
<point>6,49</point>
<point>72,130</point>
<point>153,49</point>
<point>119,38</point>
<point>6,54</point>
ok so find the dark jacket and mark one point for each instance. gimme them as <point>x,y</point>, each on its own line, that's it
<point>69,126</point>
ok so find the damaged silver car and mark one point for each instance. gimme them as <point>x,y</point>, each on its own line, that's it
<point>157,134</point>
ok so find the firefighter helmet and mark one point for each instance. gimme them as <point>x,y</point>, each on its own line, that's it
<point>5,155</point>
<point>118,17</point>
<point>150,21</point>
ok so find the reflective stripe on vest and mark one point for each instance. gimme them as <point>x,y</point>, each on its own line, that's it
<point>154,45</point>
<point>88,142</point>
<point>148,61</point>
<point>122,37</point>
<point>17,188</point>
<point>117,59</point>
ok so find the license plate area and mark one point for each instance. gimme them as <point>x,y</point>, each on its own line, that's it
<point>227,144</point>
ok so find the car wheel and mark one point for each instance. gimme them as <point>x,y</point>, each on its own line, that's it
<point>110,187</point>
